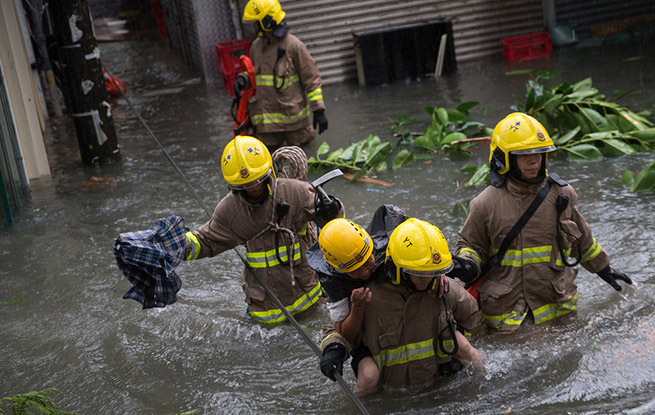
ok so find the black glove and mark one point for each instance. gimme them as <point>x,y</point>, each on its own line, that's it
<point>332,360</point>
<point>463,268</point>
<point>320,120</point>
<point>239,84</point>
<point>328,209</point>
<point>610,275</point>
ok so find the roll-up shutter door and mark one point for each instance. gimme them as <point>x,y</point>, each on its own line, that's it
<point>583,15</point>
<point>326,26</point>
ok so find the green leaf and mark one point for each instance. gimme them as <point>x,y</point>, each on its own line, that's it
<point>629,179</point>
<point>322,149</point>
<point>645,179</point>
<point>403,158</point>
<point>620,146</point>
<point>582,94</point>
<point>552,103</point>
<point>336,154</point>
<point>568,136</point>
<point>429,109</point>
<point>519,72</point>
<point>453,137</point>
<point>546,74</point>
<point>379,154</point>
<point>644,135</point>
<point>443,115</point>
<point>481,175</point>
<point>456,116</point>
<point>12,301</point>
<point>582,85</point>
<point>585,152</point>
<point>465,107</point>
<point>425,142</point>
<point>594,117</point>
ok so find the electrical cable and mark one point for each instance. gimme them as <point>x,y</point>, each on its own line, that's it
<point>277,301</point>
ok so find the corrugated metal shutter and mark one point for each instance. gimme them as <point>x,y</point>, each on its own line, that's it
<point>582,15</point>
<point>326,26</point>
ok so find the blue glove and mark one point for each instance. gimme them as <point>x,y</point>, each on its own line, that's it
<point>463,268</point>
<point>239,84</point>
<point>610,275</point>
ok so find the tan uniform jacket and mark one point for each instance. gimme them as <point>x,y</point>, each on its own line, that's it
<point>531,274</point>
<point>402,328</point>
<point>285,109</point>
<point>236,222</point>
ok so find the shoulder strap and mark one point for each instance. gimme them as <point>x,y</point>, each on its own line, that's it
<point>498,256</point>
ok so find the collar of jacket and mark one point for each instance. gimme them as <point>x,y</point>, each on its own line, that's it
<point>520,187</point>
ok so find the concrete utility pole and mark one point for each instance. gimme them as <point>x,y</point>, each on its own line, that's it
<point>80,61</point>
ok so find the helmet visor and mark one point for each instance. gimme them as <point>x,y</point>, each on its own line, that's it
<point>537,150</point>
<point>427,274</point>
<point>250,184</point>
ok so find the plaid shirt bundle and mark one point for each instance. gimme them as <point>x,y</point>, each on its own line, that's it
<point>148,260</point>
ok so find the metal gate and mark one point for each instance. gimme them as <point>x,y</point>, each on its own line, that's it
<point>583,15</point>
<point>13,181</point>
<point>326,26</point>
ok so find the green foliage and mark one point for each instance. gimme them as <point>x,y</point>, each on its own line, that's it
<point>35,403</point>
<point>582,122</point>
<point>480,175</point>
<point>644,181</point>
<point>12,301</point>
<point>444,133</point>
<point>361,157</point>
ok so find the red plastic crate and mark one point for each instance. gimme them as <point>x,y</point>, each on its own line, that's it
<point>228,55</point>
<point>530,46</point>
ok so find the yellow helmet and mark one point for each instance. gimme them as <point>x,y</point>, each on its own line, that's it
<point>345,245</point>
<point>269,13</point>
<point>417,248</point>
<point>518,133</point>
<point>246,162</point>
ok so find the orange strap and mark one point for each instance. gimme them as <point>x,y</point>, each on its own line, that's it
<point>242,116</point>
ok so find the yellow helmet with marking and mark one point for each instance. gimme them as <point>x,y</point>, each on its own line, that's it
<point>418,248</point>
<point>269,13</point>
<point>246,162</point>
<point>517,133</point>
<point>345,245</point>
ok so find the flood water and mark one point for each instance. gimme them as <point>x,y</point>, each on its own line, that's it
<point>64,324</point>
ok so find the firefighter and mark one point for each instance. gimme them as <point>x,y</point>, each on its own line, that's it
<point>271,216</point>
<point>412,333</point>
<point>346,258</point>
<point>287,78</point>
<point>534,279</point>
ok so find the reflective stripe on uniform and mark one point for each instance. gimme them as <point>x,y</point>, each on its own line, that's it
<point>553,310</point>
<point>472,253</point>
<point>592,252</point>
<point>315,95</point>
<point>301,304</point>
<point>269,258</point>
<point>509,318</point>
<point>195,246</point>
<point>279,118</point>
<point>303,231</point>
<point>517,258</point>
<point>449,345</point>
<point>405,354</point>
<point>267,80</point>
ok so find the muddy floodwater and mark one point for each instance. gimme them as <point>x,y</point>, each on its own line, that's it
<point>63,323</point>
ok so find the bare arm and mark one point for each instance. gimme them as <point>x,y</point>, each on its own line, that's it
<point>352,325</point>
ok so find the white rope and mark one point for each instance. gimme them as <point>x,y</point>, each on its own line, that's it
<point>297,162</point>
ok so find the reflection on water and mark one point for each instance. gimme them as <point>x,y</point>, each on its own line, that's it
<point>70,329</point>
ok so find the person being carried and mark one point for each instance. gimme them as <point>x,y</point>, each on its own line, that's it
<point>534,279</point>
<point>287,78</point>
<point>412,331</point>
<point>272,217</point>
<point>346,258</point>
